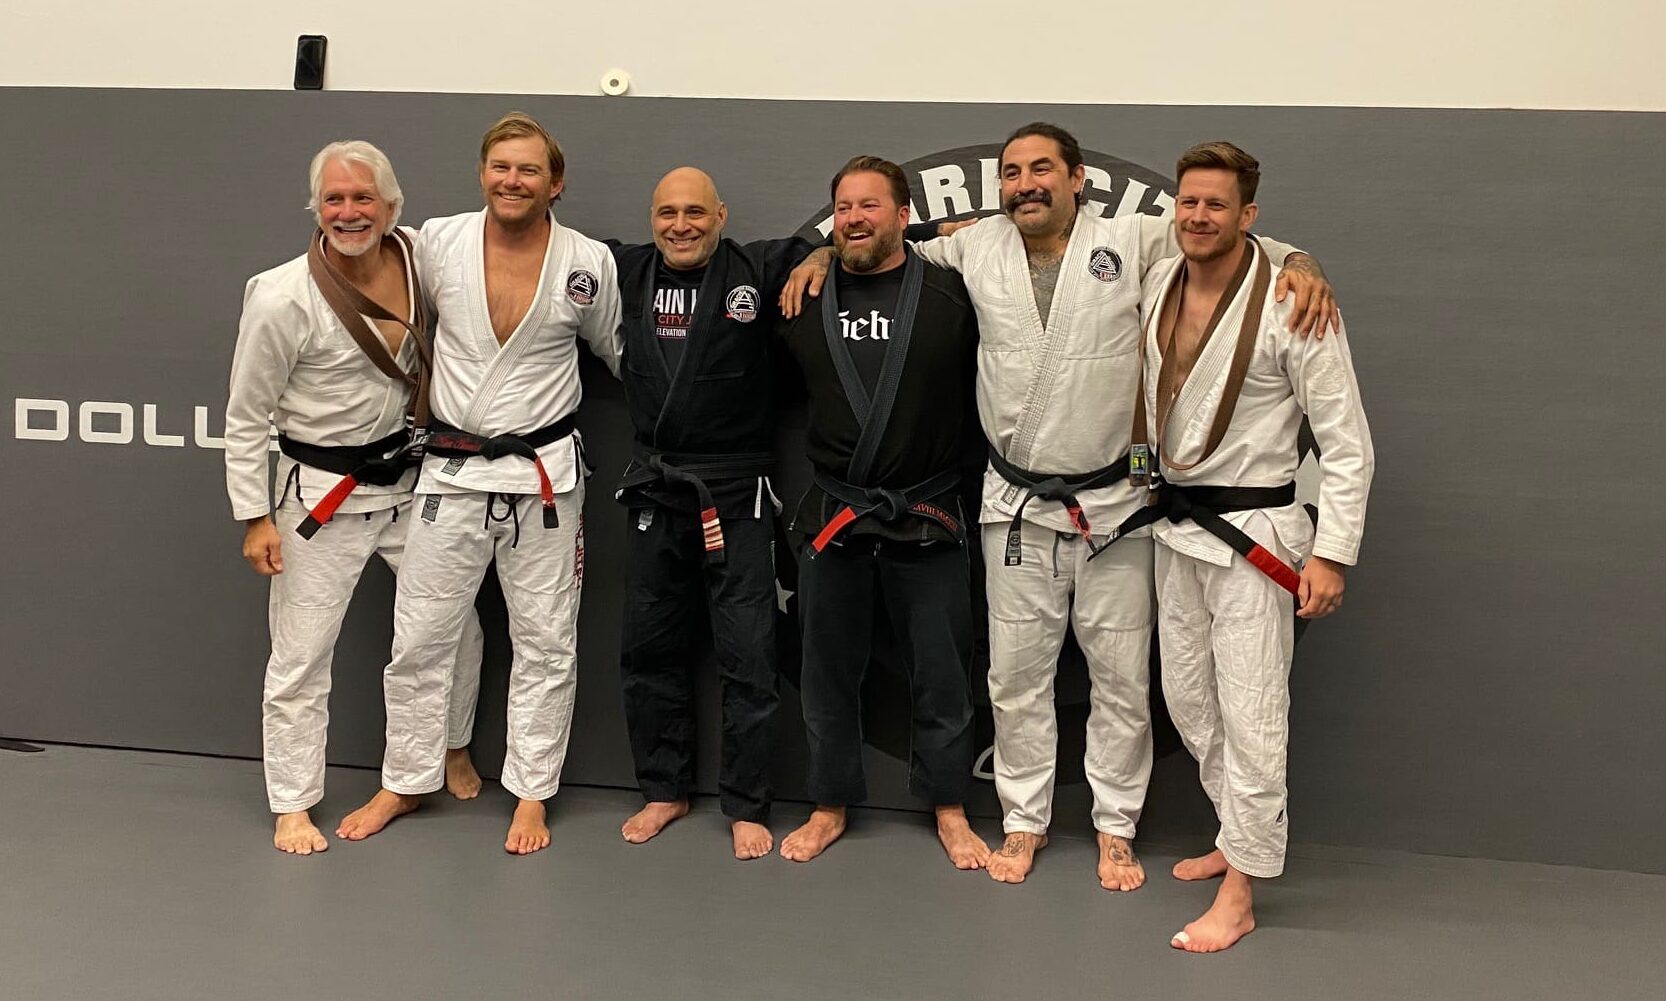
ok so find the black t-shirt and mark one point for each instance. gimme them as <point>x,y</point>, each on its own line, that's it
<point>675,293</point>
<point>867,310</point>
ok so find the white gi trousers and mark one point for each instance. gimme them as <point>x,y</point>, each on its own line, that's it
<point>1227,635</point>
<point>304,613</point>
<point>1108,604</point>
<point>454,536</point>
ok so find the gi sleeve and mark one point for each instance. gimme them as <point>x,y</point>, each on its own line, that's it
<point>600,326</point>
<point>947,251</point>
<point>1321,375</point>
<point>269,338</point>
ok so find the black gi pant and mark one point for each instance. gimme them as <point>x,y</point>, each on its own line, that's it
<point>668,588</point>
<point>926,591</point>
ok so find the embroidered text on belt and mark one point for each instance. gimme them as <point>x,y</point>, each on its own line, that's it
<point>1061,487</point>
<point>450,442</point>
<point>687,469</point>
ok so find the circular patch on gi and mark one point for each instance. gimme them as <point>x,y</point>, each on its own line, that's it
<point>582,286</point>
<point>742,303</point>
<point>1105,265</point>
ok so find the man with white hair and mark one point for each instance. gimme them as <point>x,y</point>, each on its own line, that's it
<point>327,348</point>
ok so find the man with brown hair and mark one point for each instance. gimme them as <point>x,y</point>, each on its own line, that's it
<point>888,365</point>
<point>503,476</point>
<point>1224,386</point>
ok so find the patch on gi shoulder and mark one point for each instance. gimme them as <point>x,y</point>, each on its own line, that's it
<point>742,303</point>
<point>430,507</point>
<point>1104,264</point>
<point>582,286</point>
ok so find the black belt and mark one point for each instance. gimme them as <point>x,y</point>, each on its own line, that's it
<point>689,469</point>
<point>380,463</point>
<point>1204,506</point>
<point>1061,487</point>
<point>450,442</point>
<point>887,505</point>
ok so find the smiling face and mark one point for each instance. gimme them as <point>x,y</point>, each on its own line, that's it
<point>867,222</point>
<point>351,211</point>
<point>687,218</point>
<point>1210,217</point>
<point>1038,189</point>
<point>516,180</point>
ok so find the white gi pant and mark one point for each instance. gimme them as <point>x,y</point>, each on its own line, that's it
<point>454,536</point>
<point>1108,604</point>
<point>304,613</point>
<point>1227,635</point>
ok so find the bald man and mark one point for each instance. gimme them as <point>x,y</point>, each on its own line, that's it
<point>696,318</point>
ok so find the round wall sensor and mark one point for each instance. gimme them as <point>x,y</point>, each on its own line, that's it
<point>615,82</point>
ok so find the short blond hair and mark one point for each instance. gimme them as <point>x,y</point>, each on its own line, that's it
<point>520,125</point>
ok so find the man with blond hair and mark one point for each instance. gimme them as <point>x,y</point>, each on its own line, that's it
<point>502,477</point>
<point>339,384</point>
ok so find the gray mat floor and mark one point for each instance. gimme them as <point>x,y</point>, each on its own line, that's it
<point>150,876</point>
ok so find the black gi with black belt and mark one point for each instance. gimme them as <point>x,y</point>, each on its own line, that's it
<point>885,525</point>
<point>701,525</point>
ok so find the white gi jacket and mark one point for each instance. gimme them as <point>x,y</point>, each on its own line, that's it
<point>1059,398</point>
<point>1288,375</point>
<point>529,382</point>
<point>296,366</point>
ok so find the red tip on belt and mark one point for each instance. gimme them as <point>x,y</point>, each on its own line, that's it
<point>1275,568</point>
<point>713,530</point>
<point>326,508</point>
<point>829,531</point>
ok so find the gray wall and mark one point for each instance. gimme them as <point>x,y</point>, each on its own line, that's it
<point>1494,686</point>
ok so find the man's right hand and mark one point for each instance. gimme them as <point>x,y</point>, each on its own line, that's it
<point>262,548</point>
<point>806,278</point>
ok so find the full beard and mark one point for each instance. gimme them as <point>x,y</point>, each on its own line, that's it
<point>362,244</point>
<point>865,258</point>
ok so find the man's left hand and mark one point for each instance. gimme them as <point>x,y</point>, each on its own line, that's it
<point>1315,310</point>
<point>1320,592</point>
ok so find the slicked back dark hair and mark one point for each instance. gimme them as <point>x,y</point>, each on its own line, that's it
<point>874,165</point>
<point>1069,148</point>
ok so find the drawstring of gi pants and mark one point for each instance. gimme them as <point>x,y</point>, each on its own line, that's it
<point>510,501</point>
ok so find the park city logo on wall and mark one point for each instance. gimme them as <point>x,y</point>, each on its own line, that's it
<point>965,182</point>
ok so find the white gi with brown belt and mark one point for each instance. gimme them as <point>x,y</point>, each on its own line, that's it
<point>297,367</point>
<point>1226,629</point>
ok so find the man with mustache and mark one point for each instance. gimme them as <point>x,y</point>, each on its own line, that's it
<point>339,385</point>
<point>502,478</point>
<point>888,365</point>
<point>1223,391</point>
<point>699,311</point>
<point>1057,292</point>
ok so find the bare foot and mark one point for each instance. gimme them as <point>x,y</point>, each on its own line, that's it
<point>823,828</point>
<point>966,850</point>
<point>1203,867</point>
<point>1016,857</point>
<point>375,815</point>
<point>751,840</point>
<point>1227,920</point>
<point>297,835</point>
<point>527,832</point>
<point>461,780</point>
<point>652,819</point>
<point>1119,867</point>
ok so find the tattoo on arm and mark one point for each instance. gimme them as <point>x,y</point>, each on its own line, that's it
<point>1304,264</point>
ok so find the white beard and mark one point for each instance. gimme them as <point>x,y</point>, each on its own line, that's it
<point>369,236</point>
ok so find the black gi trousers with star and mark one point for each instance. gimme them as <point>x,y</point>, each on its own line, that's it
<point>925,590</point>
<point>669,588</point>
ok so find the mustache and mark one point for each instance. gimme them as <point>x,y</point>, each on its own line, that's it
<point>859,230</point>
<point>1039,196</point>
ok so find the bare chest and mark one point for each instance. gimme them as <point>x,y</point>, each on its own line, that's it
<point>389,291</point>
<point>511,285</point>
<point>1191,326</point>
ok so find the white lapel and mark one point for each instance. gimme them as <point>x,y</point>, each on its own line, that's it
<point>557,255</point>
<point>1205,382</point>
